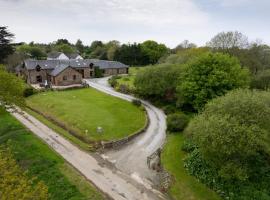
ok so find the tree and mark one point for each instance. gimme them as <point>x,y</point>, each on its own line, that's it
<point>210,76</point>
<point>232,134</point>
<point>32,51</point>
<point>62,41</point>
<point>131,54</point>
<point>153,50</point>
<point>261,80</point>
<point>12,88</point>
<point>158,82</point>
<point>15,184</point>
<point>228,40</point>
<point>185,45</point>
<point>111,47</point>
<point>5,46</point>
<point>79,45</point>
<point>65,48</point>
<point>184,55</point>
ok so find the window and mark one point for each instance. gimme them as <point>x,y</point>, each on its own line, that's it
<point>39,79</point>
<point>91,65</point>
<point>74,77</point>
<point>64,78</point>
<point>38,68</point>
<point>91,74</point>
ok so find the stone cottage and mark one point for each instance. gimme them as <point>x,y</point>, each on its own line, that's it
<point>67,72</point>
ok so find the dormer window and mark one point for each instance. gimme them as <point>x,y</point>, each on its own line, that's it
<point>38,68</point>
<point>91,65</point>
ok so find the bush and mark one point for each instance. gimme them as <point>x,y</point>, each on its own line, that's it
<point>177,122</point>
<point>29,91</point>
<point>232,140</point>
<point>210,76</point>
<point>261,80</point>
<point>136,102</point>
<point>158,82</point>
<point>169,109</point>
<point>123,89</point>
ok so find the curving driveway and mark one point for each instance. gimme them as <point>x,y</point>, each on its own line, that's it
<point>128,178</point>
<point>132,158</point>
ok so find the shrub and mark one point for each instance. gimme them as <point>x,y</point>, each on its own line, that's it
<point>210,76</point>
<point>261,80</point>
<point>158,82</point>
<point>177,122</point>
<point>236,125</point>
<point>29,91</point>
<point>169,109</point>
<point>136,102</point>
<point>232,140</point>
<point>123,89</point>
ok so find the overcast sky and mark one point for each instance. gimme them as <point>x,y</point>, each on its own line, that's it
<point>166,21</point>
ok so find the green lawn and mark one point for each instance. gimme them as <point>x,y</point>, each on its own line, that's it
<point>40,161</point>
<point>83,110</point>
<point>185,186</point>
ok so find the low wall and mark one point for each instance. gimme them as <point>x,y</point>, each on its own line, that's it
<point>119,143</point>
<point>154,163</point>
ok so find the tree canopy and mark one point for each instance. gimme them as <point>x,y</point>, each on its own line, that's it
<point>5,47</point>
<point>209,76</point>
<point>232,133</point>
<point>12,88</point>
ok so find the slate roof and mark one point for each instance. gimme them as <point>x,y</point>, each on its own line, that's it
<point>59,69</point>
<point>59,65</point>
<point>54,54</point>
<point>72,55</point>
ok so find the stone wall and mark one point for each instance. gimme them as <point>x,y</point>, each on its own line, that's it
<point>110,72</point>
<point>67,74</point>
<point>119,143</point>
<point>32,75</point>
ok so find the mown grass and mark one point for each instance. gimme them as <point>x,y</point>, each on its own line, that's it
<point>40,161</point>
<point>83,110</point>
<point>184,186</point>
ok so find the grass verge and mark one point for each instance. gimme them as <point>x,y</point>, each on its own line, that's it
<point>39,161</point>
<point>184,186</point>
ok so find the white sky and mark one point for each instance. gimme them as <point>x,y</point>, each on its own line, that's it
<point>166,21</point>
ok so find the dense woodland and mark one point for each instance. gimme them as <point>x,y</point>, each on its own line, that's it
<point>217,96</point>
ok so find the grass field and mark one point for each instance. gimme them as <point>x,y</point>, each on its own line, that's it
<point>40,161</point>
<point>185,186</point>
<point>83,110</point>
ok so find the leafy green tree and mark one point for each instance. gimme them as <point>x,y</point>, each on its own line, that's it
<point>184,55</point>
<point>5,47</point>
<point>65,48</point>
<point>79,46</point>
<point>261,80</point>
<point>11,88</point>
<point>158,82</point>
<point>210,76</point>
<point>232,134</point>
<point>131,54</point>
<point>153,50</point>
<point>32,51</point>
<point>62,41</point>
<point>15,184</point>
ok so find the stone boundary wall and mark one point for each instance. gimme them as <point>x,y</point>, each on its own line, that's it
<point>119,143</point>
<point>154,163</point>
